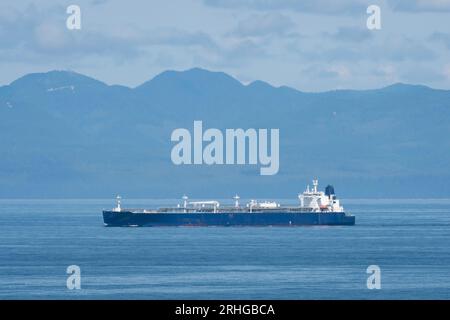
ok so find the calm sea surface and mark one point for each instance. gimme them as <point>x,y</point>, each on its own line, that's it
<point>408,239</point>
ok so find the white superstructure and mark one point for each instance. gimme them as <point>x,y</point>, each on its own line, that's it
<point>317,201</point>
<point>118,208</point>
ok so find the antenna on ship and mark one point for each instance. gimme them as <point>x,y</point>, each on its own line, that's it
<point>236,201</point>
<point>315,184</point>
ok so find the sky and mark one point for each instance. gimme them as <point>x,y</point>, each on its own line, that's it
<point>310,45</point>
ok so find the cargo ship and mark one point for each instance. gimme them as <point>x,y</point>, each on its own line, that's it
<point>315,208</point>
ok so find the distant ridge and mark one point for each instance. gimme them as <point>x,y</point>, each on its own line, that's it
<point>65,134</point>
<point>187,76</point>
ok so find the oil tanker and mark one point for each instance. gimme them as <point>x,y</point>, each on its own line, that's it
<point>315,208</point>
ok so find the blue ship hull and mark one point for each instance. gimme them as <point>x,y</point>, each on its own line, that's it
<point>131,219</point>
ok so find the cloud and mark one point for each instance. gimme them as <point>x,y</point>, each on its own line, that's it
<point>391,49</point>
<point>246,49</point>
<point>422,74</point>
<point>39,36</point>
<point>403,49</point>
<point>264,25</point>
<point>49,36</point>
<point>446,71</point>
<point>441,37</point>
<point>307,6</point>
<point>328,72</point>
<point>239,53</point>
<point>331,7</point>
<point>177,37</point>
<point>350,34</point>
<point>99,2</point>
<point>387,71</point>
<point>35,34</point>
<point>420,5</point>
<point>15,25</point>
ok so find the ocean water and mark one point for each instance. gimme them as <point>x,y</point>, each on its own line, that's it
<point>408,239</point>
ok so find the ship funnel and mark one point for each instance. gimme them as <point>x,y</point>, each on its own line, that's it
<point>329,191</point>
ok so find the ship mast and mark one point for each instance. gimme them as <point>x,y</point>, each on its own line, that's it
<point>118,208</point>
<point>185,199</point>
<point>315,184</point>
<point>236,201</point>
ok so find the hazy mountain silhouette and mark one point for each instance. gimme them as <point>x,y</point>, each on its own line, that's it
<point>67,135</point>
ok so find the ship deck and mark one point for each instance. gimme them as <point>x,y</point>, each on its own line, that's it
<point>223,210</point>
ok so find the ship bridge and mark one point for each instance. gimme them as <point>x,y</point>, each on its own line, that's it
<point>318,200</point>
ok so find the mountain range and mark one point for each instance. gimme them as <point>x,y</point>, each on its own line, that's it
<point>67,135</point>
